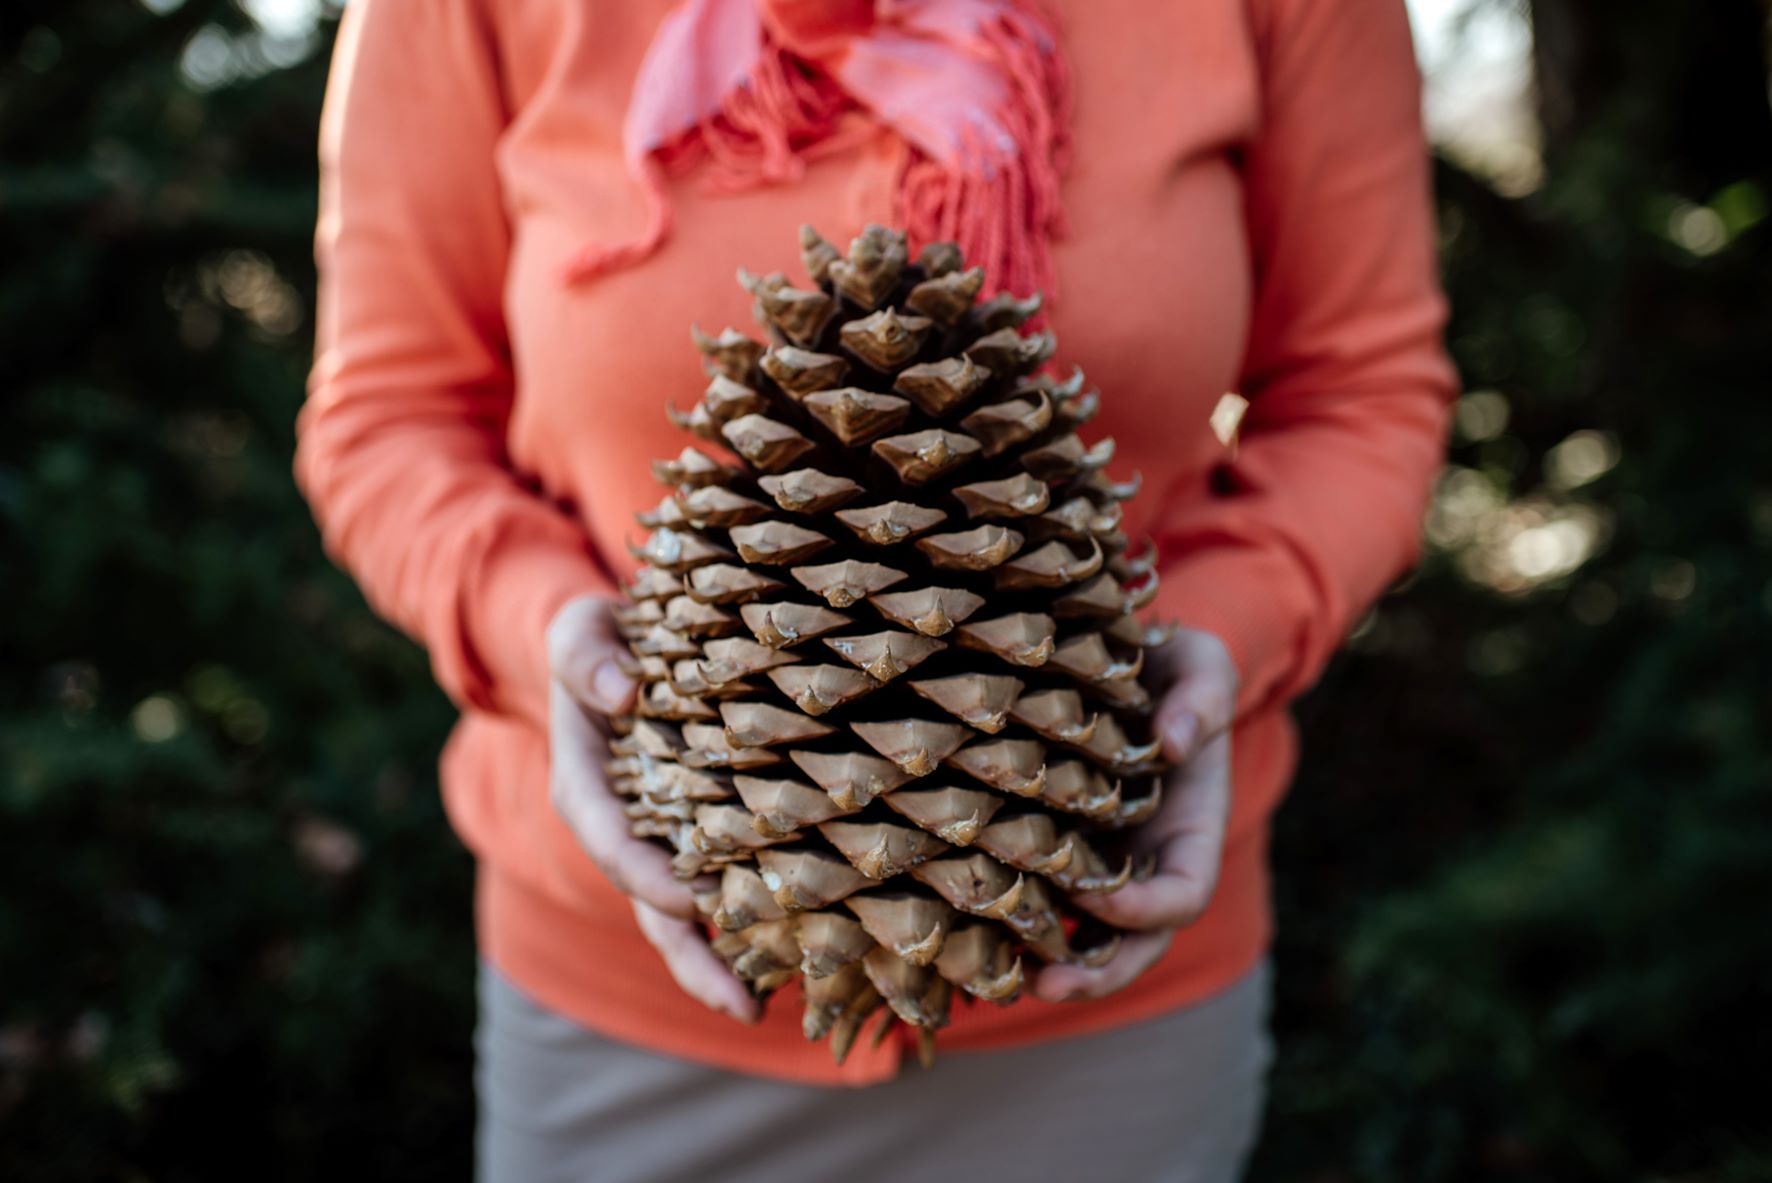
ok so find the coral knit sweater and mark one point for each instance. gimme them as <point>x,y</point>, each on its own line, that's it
<point>1249,211</point>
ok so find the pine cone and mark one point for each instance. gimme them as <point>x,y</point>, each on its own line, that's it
<point>889,662</point>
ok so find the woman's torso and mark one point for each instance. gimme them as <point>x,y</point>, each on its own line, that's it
<point>1153,304</point>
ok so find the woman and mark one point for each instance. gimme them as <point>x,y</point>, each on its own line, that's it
<point>517,228</point>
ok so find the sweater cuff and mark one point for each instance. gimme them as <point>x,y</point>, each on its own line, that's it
<point>524,579</point>
<point>1253,600</point>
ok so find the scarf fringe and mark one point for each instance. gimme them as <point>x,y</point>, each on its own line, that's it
<point>1000,202</point>
<point>1002,206</point>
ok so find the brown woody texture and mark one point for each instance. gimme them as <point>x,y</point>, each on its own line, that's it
<point>890,716</point>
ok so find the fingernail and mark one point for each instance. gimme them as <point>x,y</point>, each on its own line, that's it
<point>1178,735</point>
<point>609,686</point>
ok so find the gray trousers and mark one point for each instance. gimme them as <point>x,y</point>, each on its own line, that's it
<point>1176,1099</point>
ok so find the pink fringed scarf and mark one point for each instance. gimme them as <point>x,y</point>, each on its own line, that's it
<point>753,89</point>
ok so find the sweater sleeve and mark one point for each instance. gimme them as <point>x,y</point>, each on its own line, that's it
<point>1319,506</point>
<point>401,444</point>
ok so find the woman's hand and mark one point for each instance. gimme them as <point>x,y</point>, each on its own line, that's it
<point>1199,683</point>
<point>588,687</point>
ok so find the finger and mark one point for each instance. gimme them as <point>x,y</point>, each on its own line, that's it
<point>703,976</point>
<point>1200,702</point>
<point>593,812</point>
<point>1070,983</point>
<point>1188,836</point>
<point>585,651</point>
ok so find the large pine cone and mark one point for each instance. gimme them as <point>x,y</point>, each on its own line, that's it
<point>889,662</point>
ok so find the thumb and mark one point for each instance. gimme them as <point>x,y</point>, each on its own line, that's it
<point>586,653</point>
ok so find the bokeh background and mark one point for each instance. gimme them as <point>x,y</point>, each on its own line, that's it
<point>1524,877</point>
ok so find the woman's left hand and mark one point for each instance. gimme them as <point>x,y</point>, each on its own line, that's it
<point>1186,837</point>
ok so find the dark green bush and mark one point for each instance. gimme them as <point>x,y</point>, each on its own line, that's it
<point>235,929</point>
<point>1522,875</point>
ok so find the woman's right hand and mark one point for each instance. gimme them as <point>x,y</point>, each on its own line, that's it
<point>588,686</point>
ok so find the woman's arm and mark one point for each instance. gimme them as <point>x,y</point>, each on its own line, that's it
<point>402,439</point>
<point>1320,506</point>
<point>401,446</point>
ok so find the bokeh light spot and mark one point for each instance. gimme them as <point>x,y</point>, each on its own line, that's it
<point>1482,415</point>
<point>1583,457</point>
<point>1674,580</point>
<point>157,719</point>
<point>1698,228</point>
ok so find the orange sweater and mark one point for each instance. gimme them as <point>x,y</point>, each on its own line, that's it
<point>1249,212</point>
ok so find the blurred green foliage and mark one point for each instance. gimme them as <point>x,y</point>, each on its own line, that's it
<point>1524,873</point>
<point>235,931</point>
